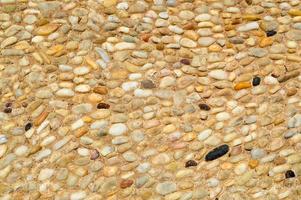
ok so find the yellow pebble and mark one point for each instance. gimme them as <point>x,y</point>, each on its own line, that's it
<point>91,63</point>
<point>189,137</point>
<point>199,88</point>
<point>251,17</point>
<point>215,48</point>
<point>87,119</point>
<point>55,49</point>
<point>294,12</point>
<point>253,163</point>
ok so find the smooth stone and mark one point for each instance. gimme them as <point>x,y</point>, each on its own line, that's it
<point>118,129</point>
<point>143,167</point>
<point>78,195</point>
<point>65,92</point>
<point>218,74</point>
<point>3,139</point>
<point>21,150</point>
<point>217,152</point>
<point>185,42</point>
<point>82,108</point>
<point>295,121</point>
<point>8,41</point>
<point>83,88</point>
<point>128,86</point>
<point>45,174</point>
<point>44,93</point>
<point>204,134</point>
<point>130,156</point>
<point>257,153</point>
<point>166,187</point>
<point>81,71</point>
<point>258,52</point>
<point>206,41</point>
<point>248,27</point>
<point>223,116</point>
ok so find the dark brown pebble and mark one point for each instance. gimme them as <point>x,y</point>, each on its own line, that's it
<point>204,107</point>
<point>28,126</point>
<point>7,110</point>
<point>249,2</point>
<point>103,106</point>
<point>191,163</point>
<point>24,104</point>
<point>290,174</point>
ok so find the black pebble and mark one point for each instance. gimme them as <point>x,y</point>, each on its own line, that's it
<point>28,126</point>
<point>289,174</point>
<point>8,110</point>
<point>103,106</point>
<point>204,107</point>
<point>190,163</point>
<point>256,81</point>
<point>271,33</point>
<point>217,152</point>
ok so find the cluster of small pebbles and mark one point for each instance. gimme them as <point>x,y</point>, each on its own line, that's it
<point>150,99</point>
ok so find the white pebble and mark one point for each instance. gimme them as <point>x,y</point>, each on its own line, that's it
<point>45,174</point>
<point>248,27</point>
<point>81,70</point>
<point>128,86</point>
<point>65,92</point>
<point>117,129</point>
<point>78,195</point>
<point>218,74</point>
<point>21,150</point>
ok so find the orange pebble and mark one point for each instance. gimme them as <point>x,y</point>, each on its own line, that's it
<point>40,118</point>
<point>266,42</point>
<point>253,163</point>
<point>242,85</point>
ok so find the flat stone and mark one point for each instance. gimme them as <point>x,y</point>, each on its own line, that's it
<point>46,29</point>
<point>118,129</point>
<point>185,42</point>
<point>165,188</point>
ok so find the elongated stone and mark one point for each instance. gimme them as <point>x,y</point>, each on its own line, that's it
<point>217,152</point>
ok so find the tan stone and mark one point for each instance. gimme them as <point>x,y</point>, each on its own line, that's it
<point>46,29</point>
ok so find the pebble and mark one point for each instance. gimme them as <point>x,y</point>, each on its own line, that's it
<point>218,74</point>
<point>118,129</point>
<point>65,93</point>
<point>3,139</point>
<point>217,152</point>
<point>78,195</point>
<point>256,81</point>
<point>45,174</point>
<point>185,42</point>
<point>166,187</point>
<point>190,163</point>
<point>257,153</point>
<point>290,174</point>
<point>248,27</point>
